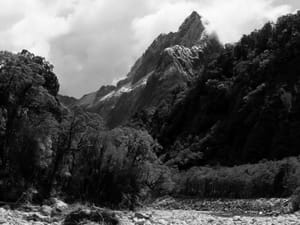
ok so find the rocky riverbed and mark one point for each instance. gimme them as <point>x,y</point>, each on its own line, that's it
<point>158,213</point>
<point>192,217</point>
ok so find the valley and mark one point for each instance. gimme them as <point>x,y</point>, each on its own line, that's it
<point>197,132</point>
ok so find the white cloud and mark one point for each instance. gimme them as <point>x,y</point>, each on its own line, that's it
<point>94,42</point>
<point>230,19</point>
<point>35,24</point>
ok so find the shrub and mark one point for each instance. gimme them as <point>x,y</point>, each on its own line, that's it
<point>295,200</point>
<point>116,167</point>
<point>264,179</point>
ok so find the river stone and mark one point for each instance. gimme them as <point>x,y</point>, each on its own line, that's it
<point>59,205</point>
<point>46,210</point>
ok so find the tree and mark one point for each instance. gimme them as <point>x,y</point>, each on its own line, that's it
<point>74,134</point>
<point>30,113</point>
<point>111,166</point>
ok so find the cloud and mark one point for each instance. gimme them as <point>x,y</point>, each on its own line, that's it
<point>94,42</point>
<point>99,46</point>
<point>230,19</point>
<point>31,24</point>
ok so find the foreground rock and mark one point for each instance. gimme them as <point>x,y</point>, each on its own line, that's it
<point>165,211</point>
<point>42,215</point>
<point>249,207</point>
<point>192,217</point>
<point>88,216</point>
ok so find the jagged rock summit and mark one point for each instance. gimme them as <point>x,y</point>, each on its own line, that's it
<point>190,33</point>
<point>191,30</point>
<point>169,63</point>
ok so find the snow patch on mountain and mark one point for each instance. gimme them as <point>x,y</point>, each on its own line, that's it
<point>126,88</point>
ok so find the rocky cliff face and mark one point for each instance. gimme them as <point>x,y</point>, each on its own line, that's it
<point>169,65</point>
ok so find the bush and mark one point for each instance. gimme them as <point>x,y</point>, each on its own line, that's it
<point>295,200</point>
<point>264,179</point>
<point>115,168</point>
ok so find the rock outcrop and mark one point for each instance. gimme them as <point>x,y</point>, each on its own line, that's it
<point>171,62</point>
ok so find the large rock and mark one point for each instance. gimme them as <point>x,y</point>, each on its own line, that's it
<point>59,205</point>
<point>92,216</point>
<point>46,210</point>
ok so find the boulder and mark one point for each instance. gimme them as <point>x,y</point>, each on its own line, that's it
<point>59,205</point>
<point>91,215</point>
<point>46,210</point>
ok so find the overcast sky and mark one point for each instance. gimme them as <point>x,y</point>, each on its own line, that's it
<point>95,42</point>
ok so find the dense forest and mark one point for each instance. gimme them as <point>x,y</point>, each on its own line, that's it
<point>230,127</point>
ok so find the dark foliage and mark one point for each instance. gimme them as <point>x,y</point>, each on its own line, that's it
<point>47,149</point>
<point>113,168</point>
<point>264,179</point>
<point>29,116</point>
<point>295,200</point>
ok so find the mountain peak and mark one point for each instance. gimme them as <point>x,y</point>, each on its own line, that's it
<point>190,21</point>
<point>191,31</point>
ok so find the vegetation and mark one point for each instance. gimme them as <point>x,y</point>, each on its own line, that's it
<point>264,179</point>
<point>30,116</point>
<point>46,149</point>
<point>295,199</point>
<point>113,169</point>
<point>243,108</point>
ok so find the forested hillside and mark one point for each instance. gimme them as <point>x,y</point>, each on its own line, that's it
<point>243,107</point>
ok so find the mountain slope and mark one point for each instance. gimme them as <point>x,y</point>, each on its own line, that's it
<point>244,107</point>
<point>170,64</point>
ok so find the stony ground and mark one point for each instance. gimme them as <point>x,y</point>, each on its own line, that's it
<point>192,217</point>
<point>164,212</point>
